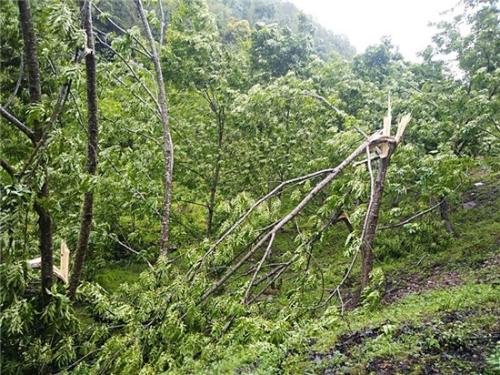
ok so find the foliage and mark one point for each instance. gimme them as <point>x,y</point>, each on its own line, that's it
<point>256,97</point>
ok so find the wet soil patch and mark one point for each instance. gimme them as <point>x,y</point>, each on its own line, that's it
<point>447,355</point>
<point>400,285</point>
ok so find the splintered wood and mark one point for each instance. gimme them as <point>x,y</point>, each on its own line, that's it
<point>63,271</point>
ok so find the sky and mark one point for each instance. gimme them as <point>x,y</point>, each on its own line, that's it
<point>364,22</point>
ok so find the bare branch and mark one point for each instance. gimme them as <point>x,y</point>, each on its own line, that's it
<point>18,124</point>
<point>121,29</point>
<point>416,216</point>
<point>126,246</point>
<point>18,84</point>
<point>132,71</point>
<point>341,283</point>
<point>259,266</point>
<point>242,218</point>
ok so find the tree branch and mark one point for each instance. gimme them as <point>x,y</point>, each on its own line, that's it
<point>134,74</point>
<point>17,123</point>
<point>18,84</point>
<point>8,168</point>
<point>416,216</point>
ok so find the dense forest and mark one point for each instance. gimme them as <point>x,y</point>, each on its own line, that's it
<point>227,187</point>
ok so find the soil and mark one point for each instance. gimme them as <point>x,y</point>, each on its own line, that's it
<point>400,285</point>
<point>449,357</point>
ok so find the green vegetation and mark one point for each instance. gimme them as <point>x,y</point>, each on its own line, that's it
<point>382,258</point>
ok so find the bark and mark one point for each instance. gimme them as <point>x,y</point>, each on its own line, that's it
<point>35,90</point>
<point>444,211</point>
<point>216,176</point>
<point>168,148</point>
<point>371,221</point>
<point>92,147</point>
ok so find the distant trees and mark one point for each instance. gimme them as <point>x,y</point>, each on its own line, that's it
<point>277,50</point>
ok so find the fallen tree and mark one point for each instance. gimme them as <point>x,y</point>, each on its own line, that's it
<point>383,143</point>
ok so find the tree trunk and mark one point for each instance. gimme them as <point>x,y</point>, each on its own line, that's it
<point>444,211</point>
<point>371,222</point>
<point>168,147</point>
<point>35,90</point>
<point>216,176</point>
<point>92,147</point>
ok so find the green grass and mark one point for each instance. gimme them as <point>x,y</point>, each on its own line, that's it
<point>112,277</point>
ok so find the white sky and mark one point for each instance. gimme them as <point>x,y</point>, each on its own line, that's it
<point>364,22</point>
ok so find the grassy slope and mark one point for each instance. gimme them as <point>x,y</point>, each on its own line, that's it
<point>441,317</point>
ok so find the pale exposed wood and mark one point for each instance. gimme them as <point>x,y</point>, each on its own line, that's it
<point>403,123</point>
<point>61,272</point>
<point>64,263</point>
<point>387,128</point>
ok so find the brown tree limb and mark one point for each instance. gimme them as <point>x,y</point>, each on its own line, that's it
<point>369,234</point>
<point>35,90</point>
<point>8,168</point>
<point>92,148</point>
<point>17,123</point>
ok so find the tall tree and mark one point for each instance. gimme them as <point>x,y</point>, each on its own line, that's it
<point>39,140</point>
<point>92,146</point>
<point>168,147</point>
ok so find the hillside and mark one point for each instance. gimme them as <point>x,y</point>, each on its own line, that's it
<point>286,14</point>
<point>187,187</point>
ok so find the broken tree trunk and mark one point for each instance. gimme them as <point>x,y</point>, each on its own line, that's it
<point>265,240</point>
<point>92,147</point>
<point>372,219</point>
<point>377,189</point>
<point>269,236</point>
